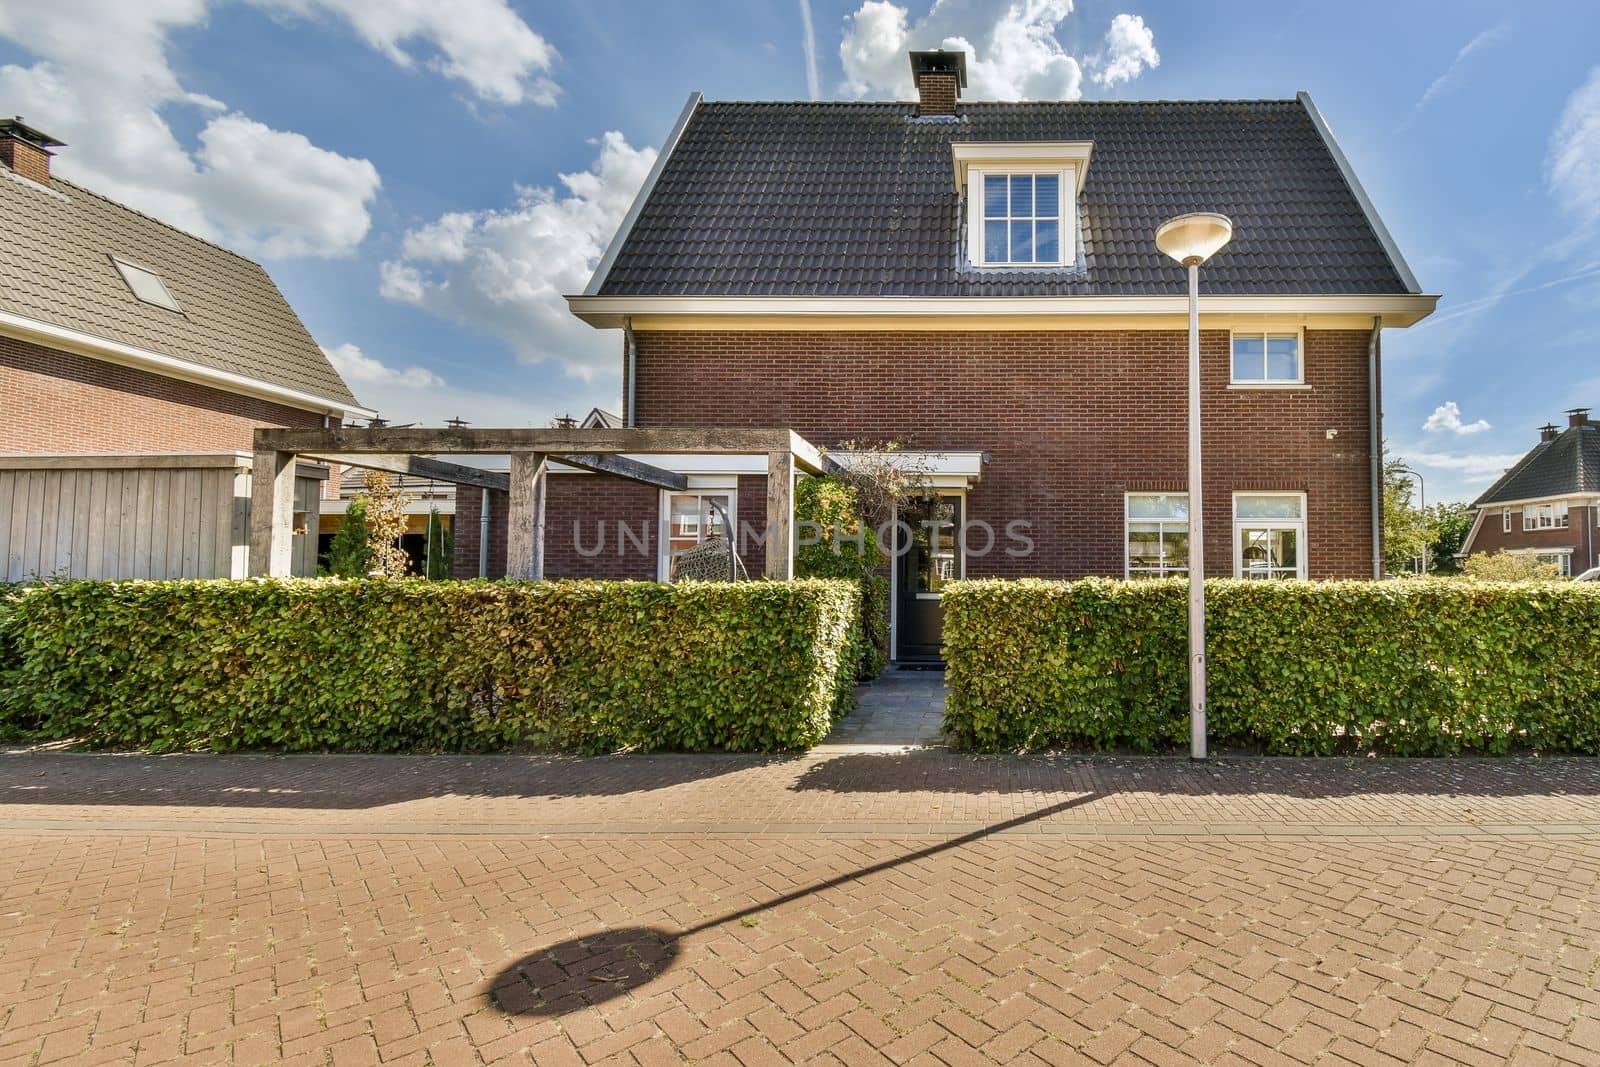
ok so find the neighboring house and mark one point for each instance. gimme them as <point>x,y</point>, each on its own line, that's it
<point>980,281</point>
<point>127,345</point>
<point>1548,504</point>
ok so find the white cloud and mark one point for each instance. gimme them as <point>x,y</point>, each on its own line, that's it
<point>1130,49</point>
<point>483,43</point>
<point>1574,163</point>
<point>1451,73</point>
<point>1446,418</point>
<point>505,272</point>
<point>1011,46</point>
<point>809,45</point>
<point>102,81</point>
<point>359,369</point>
<point>1472,467</point>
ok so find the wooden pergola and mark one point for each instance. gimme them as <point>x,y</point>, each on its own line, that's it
<point>409,450</point>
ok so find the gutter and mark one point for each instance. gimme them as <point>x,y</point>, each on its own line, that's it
<point>1375,444</point>
<point>1367,208</point>
<point>620,238</point>
<point>631,361</point>
<point>87,344</point>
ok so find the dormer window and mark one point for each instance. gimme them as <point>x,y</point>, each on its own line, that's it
<point>146,285</point>
<point>1021,201</point>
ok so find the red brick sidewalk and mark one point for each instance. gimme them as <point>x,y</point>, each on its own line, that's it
<point>751,911</point>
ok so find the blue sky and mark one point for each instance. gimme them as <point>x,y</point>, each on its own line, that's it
<point>399,167</point>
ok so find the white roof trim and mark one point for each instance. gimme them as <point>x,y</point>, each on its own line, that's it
<point>1016,153</point>
<point>85,344</point>
<point>1384,238</point>
<point>946,470</point>
<point>618,239</point>
<point>607,311</point>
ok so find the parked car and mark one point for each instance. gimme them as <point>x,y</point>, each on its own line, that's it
<point>1590,575</point>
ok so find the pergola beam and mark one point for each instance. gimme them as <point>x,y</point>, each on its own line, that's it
<point>437,470</point>
<point>631,469</point>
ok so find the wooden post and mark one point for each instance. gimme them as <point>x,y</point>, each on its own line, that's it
<point>272,514</point>
<point>780,516</point>
<point>525,516</point>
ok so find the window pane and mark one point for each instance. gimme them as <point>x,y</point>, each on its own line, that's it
<point>711,516</point>
<point>1022,242</point>
<point>1158,506</point>
<point>1175,542</point>
<point>1144,544</point>
<point>1047,240</point>
<point>685,518</point>
<point>996,246</point>
<point>1286,549</point>
<point>1249,359</point>
<point>1047,195</point>
<point>994,196</point>
<point>1267,506</point>
<point>1283,358</point>
<point>1021,195</point>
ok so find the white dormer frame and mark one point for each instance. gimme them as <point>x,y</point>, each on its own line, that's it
<point>974,159</point>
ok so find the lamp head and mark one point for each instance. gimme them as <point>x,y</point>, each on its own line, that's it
<point>1195,238</point>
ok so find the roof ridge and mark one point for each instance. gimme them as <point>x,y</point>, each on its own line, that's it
<point>1014,103</point>
<point>179,230</point>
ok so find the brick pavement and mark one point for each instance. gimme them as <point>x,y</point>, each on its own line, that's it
<point>344,910</point>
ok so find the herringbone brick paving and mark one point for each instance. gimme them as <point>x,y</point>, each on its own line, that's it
<point>1166,913</point>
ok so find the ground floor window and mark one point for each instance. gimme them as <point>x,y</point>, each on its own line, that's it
<point>695,527</point>
<point>1269,535</point>
<point>1156,529</point>
<point>1561,561</point>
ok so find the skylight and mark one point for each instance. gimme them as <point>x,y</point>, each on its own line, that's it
<point>147,285</point>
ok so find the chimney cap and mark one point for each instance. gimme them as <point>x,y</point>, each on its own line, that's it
<point>941,61</point>
<point>1577,416</point>
<point>15,127</point>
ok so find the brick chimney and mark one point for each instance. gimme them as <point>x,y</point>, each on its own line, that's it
<point>1577,416</point>
<point>26,150</point>
<point>940,77</point>
<point>1548,432</point>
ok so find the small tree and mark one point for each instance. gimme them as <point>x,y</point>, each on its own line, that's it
<point>1508,567</point>
<point>350,552</point>
<point>386,524</point>
<point>882,474</point>
<point>441,547</point>
<point>1406,536</point>
<point>1448,526</point>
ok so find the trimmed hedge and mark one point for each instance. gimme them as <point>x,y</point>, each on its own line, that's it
<point>382,666</point>
<point>1419,667</point>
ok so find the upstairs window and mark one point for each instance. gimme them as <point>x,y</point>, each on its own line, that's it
<point>1021,219</point>
<point>1267,359</point>
<point>146,285</point>
<point>1505,521</point>
<point>1545,516</point>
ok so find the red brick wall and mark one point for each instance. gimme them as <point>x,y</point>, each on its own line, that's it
<point>59,402</point>
<point>586,499</point>
<point>1071,419</point>
<point>1580,536</point>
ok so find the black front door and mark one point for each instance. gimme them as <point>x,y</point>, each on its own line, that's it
<point>929,556</point>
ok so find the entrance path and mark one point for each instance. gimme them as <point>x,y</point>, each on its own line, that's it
<point>856,907</point>
<point>903,709</point>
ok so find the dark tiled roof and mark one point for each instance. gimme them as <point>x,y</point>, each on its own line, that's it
<point>859,199</point>
<point>56,246</point>
<point>1568,463</point>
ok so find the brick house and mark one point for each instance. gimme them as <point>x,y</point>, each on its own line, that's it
<point>979,281</point>
<point>124,338</point>
<point>1548,503</point>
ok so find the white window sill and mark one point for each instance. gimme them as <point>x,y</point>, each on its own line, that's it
<point>1277,386</point>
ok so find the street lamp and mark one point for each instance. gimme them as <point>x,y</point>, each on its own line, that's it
<point>1191,240</point>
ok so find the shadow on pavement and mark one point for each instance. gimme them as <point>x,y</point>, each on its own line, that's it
<point>593,968</point>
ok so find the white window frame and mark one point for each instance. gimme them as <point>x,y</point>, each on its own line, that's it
<point>1554,516</point>
<point>1301,525</point>
<point>1505,520</point>
<point>127,268</point>
<point>664,547</point>
<point>1265,332</point>
<point>1067,225</point>
<point>1127,520</point>
<point>1561,557</point>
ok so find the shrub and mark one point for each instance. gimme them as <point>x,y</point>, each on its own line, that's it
<point>438,666</point>
<point>1423,667</point>
<point>349,553</point>
<point>833,543</point>
<point>1508,567</point>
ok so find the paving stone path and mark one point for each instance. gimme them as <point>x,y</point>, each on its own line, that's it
<point>854,907</point>
<point>901,709</point>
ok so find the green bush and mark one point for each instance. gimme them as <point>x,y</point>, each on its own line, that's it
<point>832,544</point>
<point>437,666</point>
<point>1424,667</point>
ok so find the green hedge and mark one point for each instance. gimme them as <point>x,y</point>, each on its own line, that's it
<point>1425,667</point>
<point>832,545</point>
<point>437,666</point>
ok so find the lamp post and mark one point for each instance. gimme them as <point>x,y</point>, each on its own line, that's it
<point>1191,240</point>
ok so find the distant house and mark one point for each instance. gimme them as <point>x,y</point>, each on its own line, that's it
<point>136,360</point>
<point>1548,504</point>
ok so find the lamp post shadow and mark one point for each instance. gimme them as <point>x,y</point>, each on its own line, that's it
<point>593,968</point>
